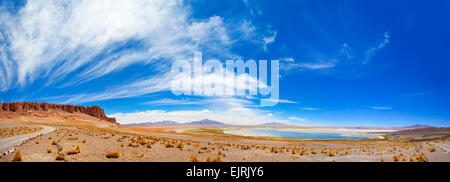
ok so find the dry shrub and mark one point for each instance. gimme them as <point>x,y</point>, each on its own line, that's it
<point>180,146</point>
<point>73,138</point>
<point>273,150</point>
<point>431,149</point>
<point>395,158</point>
<point>74,151</point>
<point>84,141</point>
<point>49,150</point>
<point>381,160</point>
<point>421,158</point>
<point>37,142</point>
<point>59,157</point>
<point>141,155</point>
<point>217,159</point>
<point>193,159</point>
<point>331,153</point>
<point>168,145</point>
<point>53,142</point>
<point>18,157</point>
<point>113,154</point>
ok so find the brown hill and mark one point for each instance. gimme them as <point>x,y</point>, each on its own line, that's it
<point>27,107</point>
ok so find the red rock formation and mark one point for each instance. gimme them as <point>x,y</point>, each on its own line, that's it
<point>36,106</point>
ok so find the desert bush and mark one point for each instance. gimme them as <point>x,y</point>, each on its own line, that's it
<point>49,150</point>
<point>431,149</point>
<point>53,142</point>
<point>273,150</point>
<point>113,154</point>
<point>180,146</point>
<point>395,158</point>
<point>381,160</point>
<point>149,144</point>
<point>74,151</point>
<point>331,153</point>
<point>193,159</point>
<point>168,144</point>
<point>217,159</point>
<point>59,157</point>
<point>17,157</point>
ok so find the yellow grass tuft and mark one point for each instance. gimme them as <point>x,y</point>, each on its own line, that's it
<point>431,149</point>
<point>74,151</point>
<point>18,157</point>
<point>149,144</point>
<point>59,157</point>
<point>395,158</point>
<point>218,159</point>
<point>168,144</point>
<point>193,159</point>
<point>113,154</point>
<point>180,146</point>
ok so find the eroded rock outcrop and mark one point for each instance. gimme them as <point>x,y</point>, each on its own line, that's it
<point>36,106</point>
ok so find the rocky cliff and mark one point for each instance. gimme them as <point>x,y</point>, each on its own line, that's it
<point>30,106</point>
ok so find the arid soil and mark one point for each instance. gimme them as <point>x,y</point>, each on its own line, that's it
<point>93,143</point>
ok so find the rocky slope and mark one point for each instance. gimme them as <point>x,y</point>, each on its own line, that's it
<point>94,111</point>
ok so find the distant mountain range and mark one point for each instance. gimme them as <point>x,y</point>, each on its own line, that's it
<point>416,126</point>
<point>202,122</point>
<point>154,123</point>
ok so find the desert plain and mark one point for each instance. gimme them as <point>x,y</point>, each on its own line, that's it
<point>58,135</point>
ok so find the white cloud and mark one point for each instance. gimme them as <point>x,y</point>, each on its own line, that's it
<point>292,118</point>
<point>287,59</point>
<point>380,45</point>
<point>317,65</point>
<point>380,107</point>
<point>52,39</point>
<point>310,109</point>
<point>311,66</point>
<point>269,39</point>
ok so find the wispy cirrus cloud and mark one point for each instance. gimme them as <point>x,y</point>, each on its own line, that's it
<point>310,109</point>
<point>370,52</point>
<point>292,118</point>
<point>345,57</point>
<point>89,39</point>
<point>380,107</point>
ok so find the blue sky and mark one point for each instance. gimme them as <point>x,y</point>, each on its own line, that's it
<point>342,63</point>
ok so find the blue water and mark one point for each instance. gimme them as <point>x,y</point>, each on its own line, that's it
<point>297,134</point>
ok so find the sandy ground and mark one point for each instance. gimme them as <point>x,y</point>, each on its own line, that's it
<point>155,144</point>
